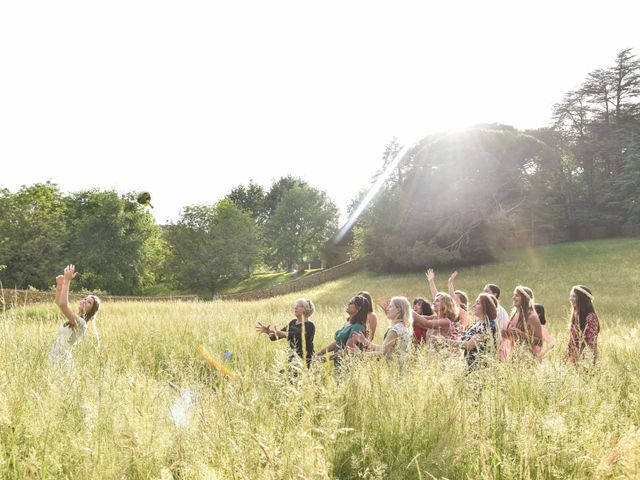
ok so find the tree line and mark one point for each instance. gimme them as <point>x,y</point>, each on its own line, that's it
<point>463,197</point>
<point>118,247</point>
<point>452,198</point>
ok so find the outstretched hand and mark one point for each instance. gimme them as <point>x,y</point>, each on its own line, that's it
<point>431,275</point>
<point>260,328</point>
<point>359,337</point>
<point>59,280</point>
<point>383,303</point>
<point>69,272</point>
<point>453,277</point>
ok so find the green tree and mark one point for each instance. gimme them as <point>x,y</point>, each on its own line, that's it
<point>301,224</point>
<point>460,199</point>
<point>251,199</point>
<point>212,245</point>
<point>597,125</point>
<point>32,235</point>
<point>114,242</point>
<point>277,191</point>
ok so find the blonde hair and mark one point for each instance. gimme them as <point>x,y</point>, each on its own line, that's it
<point>447,308</point>
<point>404,309</point>
<point>308,308</point>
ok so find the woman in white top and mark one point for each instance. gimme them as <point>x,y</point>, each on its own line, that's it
<point>398,336</point>
<point>72,331</point>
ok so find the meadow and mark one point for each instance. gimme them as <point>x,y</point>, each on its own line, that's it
<point>110,416</point>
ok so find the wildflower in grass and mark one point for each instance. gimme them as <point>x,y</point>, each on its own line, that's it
<point>215,363</point>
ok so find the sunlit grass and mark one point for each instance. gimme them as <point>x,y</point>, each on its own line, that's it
<point>263,280</point>
<point>109,418</point>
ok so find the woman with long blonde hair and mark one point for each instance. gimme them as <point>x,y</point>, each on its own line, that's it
<point>461,298</point>
<point>445,322</point>
<point>398,335</point>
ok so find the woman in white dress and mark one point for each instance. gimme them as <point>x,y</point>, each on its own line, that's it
<point>73,330</point>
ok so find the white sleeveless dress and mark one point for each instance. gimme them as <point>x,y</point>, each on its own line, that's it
<point>60,353</point>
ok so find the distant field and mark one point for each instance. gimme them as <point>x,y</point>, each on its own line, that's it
<point>263,280</point>
<point>109,418</point>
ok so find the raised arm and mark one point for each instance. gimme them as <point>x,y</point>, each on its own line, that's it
<point>59,282</point>
<point>431,278</point>
<point>452,290</point>
<point>62,295</point>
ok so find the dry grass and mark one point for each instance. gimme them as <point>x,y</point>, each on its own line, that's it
<point>109,417</point>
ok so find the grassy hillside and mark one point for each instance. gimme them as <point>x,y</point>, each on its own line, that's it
<point>109,417</point>
<point>263,280</point>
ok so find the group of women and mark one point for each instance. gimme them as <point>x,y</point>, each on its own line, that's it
<point>445,322</point>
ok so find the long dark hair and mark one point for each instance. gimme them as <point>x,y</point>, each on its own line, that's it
<point>425,306</point>
<point>584,306</point>
<point>367,297</point>
<point>94,309</point>
<point>363,304</point>
<point>539,308</point>
<point>87,316</point>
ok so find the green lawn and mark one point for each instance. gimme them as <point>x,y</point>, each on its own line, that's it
<point>264,280</point>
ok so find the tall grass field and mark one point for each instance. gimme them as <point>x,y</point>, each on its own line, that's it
<point>110,417</point>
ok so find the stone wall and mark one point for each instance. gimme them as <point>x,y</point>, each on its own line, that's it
<point>327,275</point>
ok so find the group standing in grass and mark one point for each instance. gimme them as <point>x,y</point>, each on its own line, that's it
<point>494,333</point>
<point>445,321</point>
